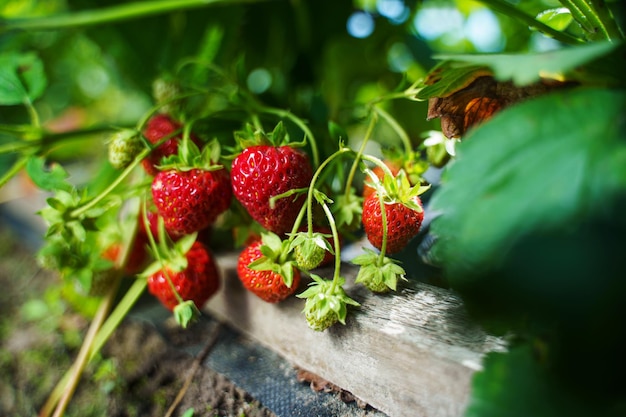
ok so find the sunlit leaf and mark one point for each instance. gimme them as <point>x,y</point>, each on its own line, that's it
<point>524,69</point>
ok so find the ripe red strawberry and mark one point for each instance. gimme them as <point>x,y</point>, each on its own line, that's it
<point>197,281</point>
<point>403,211</point>
<point>404,222</point>
<point>190,201</point>
<point>156,130</point>
<point>268,284</point>
<point>262,172</point>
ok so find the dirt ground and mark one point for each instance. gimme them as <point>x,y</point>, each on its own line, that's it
<point>139,373</point>
<point>147,363</point>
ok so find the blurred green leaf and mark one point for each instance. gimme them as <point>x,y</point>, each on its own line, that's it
<point>518,384</point>
<point>22,78</point>
<point>523,172</point>
<point>450,76</point>
<point>52,178</point>
<point>524,69</point>
<point>558,18</point>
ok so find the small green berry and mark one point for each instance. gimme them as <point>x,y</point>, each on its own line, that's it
<point>124,146</point>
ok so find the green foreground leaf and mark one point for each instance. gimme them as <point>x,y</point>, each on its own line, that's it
<point>534,167</point>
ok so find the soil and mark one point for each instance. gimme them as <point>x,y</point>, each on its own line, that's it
<point>41,335</point>
<point>149,367</point>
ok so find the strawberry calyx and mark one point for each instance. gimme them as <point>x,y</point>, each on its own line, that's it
<point>397,189</point>
<point>251,136</point>
<point>276,258</point>
<point>326,303</point>
<point>190,157</point>
<point>310,248</point>
<point>378,275</point>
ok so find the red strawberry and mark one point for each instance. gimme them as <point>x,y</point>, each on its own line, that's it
<point>267,284</point>
<point>403,211</point>
<point>156,130</point>
<point>197,281</point>
<point>262,172</point>
<point>190,201</point>
<point>404,222</point>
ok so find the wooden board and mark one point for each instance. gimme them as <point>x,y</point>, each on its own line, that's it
<point>411,353</point>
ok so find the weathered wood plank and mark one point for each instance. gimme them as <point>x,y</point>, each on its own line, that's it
<point>411,353</point>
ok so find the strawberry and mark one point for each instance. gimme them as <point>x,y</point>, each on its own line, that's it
<point>262,271</point>
<point>158,128</point>
<point>403,209</point>
<point>326,302</point>
<point>192,190</point>
<point>194,278</point>
<point>123,147</point>
<point>379,172</point>
<point>264,171</point>
<point>190,201</point>
<point>410,162</point>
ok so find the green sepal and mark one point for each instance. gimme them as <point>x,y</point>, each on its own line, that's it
<point>168,254</point>
<point>186,313</point>
<point>326,303</point>
<point>310,249</point>
<point>276,258</point>
<point>347,210</point>
<point>378,275</point>
<point>190,157</point>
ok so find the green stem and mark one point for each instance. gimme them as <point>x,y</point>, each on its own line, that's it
<point>92,203</point>
<point>112,14</point>
<point>359,154</point>
<point>512,11</point>
<point>593,22</point>
<point>15,168</point>
<point>404,137</point>
<point>106,330</point>
<point>115,318</point>
<point>336,244</point>
<point>300,123</point>
<point>312,185</point>
<point>84,355</point>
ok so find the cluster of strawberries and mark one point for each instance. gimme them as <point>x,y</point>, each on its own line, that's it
<point>191,189</point>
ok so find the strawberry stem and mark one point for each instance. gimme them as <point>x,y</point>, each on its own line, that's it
<point>336,244</point>
<point>404,137</point>
<point>359,155</point>
<point>63,392</point>
<point>93,202</point>
<point>308,134</point>
<point>312,186</point>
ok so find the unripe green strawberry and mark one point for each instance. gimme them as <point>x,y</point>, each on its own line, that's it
<point>326,303</point>
<point>164,92</point>
<point>124,146</point>
<point>310,250</point>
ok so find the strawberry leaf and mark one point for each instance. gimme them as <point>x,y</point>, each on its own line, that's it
<point>52,178</point>
<point>186,313</point>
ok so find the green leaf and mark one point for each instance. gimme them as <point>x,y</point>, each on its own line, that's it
<point>536,166</point>
<point>52,178</point>
<point>518,384</point>
<point>450,76</point>
<point>524,69</point>
<point>22,78</point>
<point>558,18</point>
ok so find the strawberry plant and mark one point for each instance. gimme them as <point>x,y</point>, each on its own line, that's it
<point>163,132</point>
